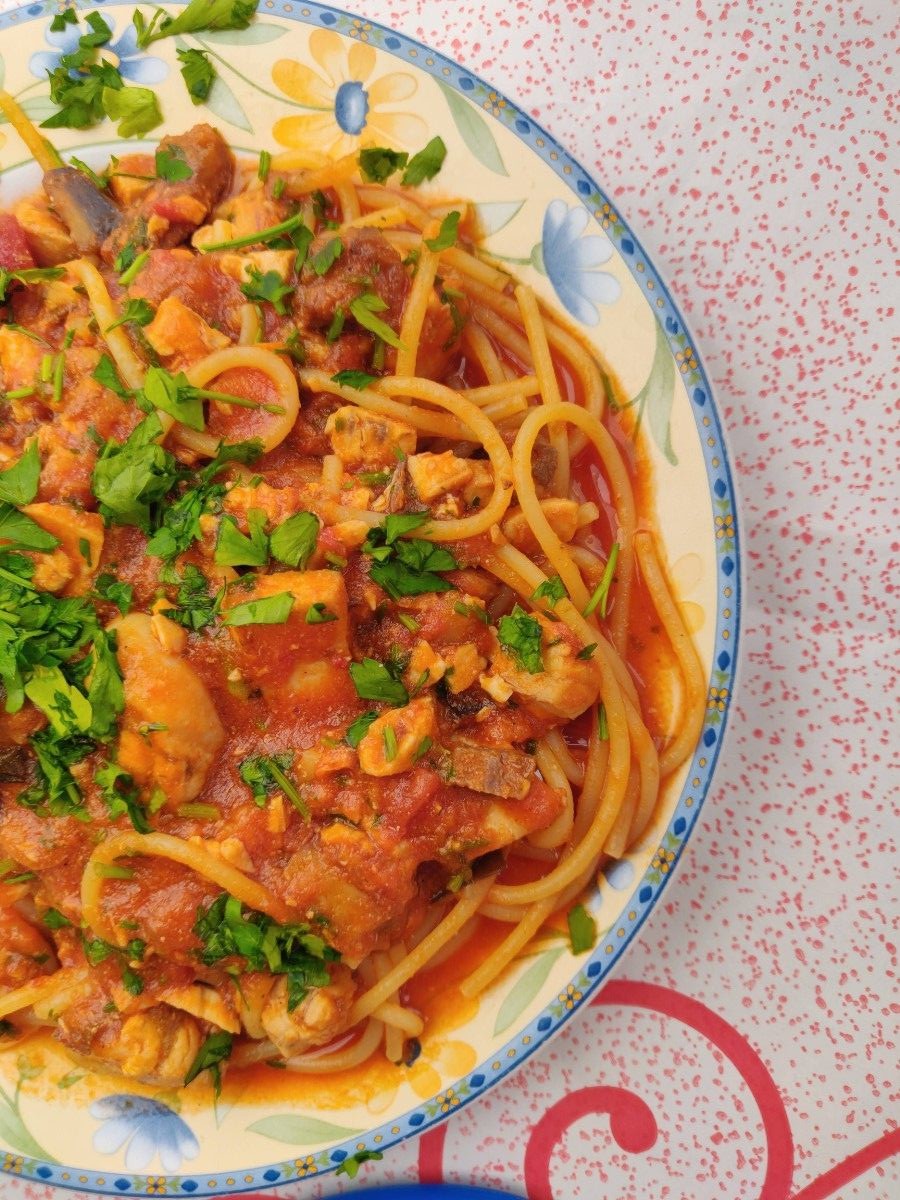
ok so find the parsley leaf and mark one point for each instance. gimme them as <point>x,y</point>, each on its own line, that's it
<point>175,396</point>
<point>135,108</point>
<point>446,236</point>
<point>171,164</point>
<point>358,730</point>
<point>195,607</point>
<point>234,549</point>
<point>26,276</point>
<point>106,374</point>
<point>214,1051</point>
<point>377,163</point>
<point>106,693</point>
<point>55,790</point>
<point>110,589</point>
<point>198,16</point>
<point>65,707</point>
<point>68,16</point>
<point>407,566</point>
<point>267,287</point>
<point>582,929</point>
<point>132,477</point>
<point>363,310</point>
<point>197,72</point>
<point>520,634</point>
<point>350,1166</point>
<point>323,260</point>
<point>53,918</point>
<point>375,681</point>
<point>265,774</point>
<point>19,483</point>
<point>136,312</point>
<point>552,590</point>
<point>228,930</point>
<point>354,379</point>
<point>425,164</point>
<point>293,542</point>
<point>267,610</point>
<point>121,796</point>
<point>20,530</point>
<point>600,595</point>
<point>319,614</point>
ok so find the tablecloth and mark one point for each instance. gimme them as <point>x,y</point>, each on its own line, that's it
<point>748,1047</point>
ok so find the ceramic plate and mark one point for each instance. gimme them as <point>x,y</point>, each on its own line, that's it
<point>307,75</point>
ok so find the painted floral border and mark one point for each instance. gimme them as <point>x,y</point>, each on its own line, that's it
<point>458,82</point>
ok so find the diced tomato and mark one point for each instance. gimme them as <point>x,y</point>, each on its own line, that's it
<point>14,252</point>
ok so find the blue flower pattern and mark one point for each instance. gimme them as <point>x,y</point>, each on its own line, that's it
<point>146,1128</point>
<point>571,262</point>
<point>134,65</point>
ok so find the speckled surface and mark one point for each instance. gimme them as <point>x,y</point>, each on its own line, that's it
<point>749,1048</point>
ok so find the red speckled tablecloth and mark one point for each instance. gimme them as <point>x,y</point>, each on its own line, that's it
<point>748,1048</point>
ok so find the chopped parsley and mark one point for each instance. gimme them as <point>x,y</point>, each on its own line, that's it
<point>228,930</point>
<point>359,728</point>
<point>378,164</point>
<point>215,1050</point>
<point>26,276</point>
<point>582,929</point>
<point>268,287</point>
<point>135,108</point>
<point>263,236</point>
<point>354,379</point>
<point>587,652</point>
<point>364,309</point>
<point>198,74</point>
<point>425,164</point>
<point>600,595</point>
<point>374,680</point>
<point>520,634</point>
<point>552,590</point>
<point>350,1166</point>
<point>19,483</point>
<point>105,373</point>
<point>265,774</point>
<point>195,607</point>
<point>235,549</point>
<point>294,541</point>
<point>198,16</point>
<point>171,164</point>
<point>446,236</point>
<point>407,566</point>
<point>135,312</point>
<point>323,260</point>
<point>319,614</point>
<point>132,478</point>
<point>267,610</point>
<point>121,795</point>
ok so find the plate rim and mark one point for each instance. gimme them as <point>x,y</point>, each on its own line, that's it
<point>596,970</point>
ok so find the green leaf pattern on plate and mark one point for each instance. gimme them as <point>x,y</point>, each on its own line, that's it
<point>526,988</point>
<point>474,130</point>
<point>300,1131</point>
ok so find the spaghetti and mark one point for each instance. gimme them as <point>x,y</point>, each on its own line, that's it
<point>331,629</point>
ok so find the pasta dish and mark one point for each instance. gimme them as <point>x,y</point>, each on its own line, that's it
<point>333,630</point>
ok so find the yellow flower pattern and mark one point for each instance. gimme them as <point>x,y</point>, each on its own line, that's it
<point>350,107</point>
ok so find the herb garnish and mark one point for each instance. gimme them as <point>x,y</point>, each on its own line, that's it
<point>228,930</point>
<point>198,16</point>
<point>407,566</point>
<point>600,595</point>
<point>379,681</point>
<point>520,634</point>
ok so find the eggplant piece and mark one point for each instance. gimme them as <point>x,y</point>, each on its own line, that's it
<point>86,213</point>
<point>14,764</point>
